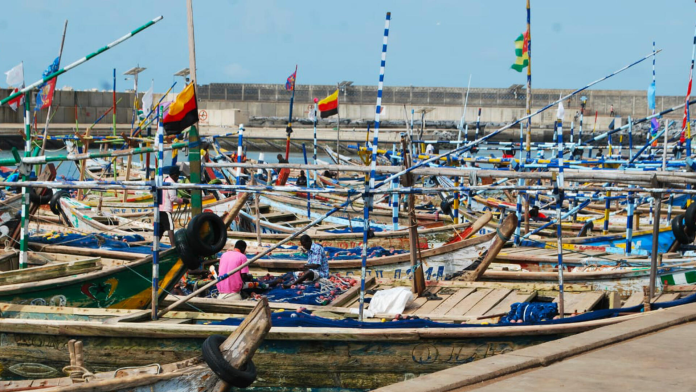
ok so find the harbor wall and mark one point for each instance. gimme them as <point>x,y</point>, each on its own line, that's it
<point>266,105</point>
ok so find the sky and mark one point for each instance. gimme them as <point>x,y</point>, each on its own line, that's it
<point>437,43</point>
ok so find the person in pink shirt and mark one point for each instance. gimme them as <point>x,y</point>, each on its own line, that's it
<point>230,288</point>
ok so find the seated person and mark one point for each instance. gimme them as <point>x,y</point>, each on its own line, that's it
<point>317,263</point>
<point>231,288</point>
<point>537,215</point>
<point>302,179</point>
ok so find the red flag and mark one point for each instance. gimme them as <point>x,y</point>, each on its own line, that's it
<point>17,101</point>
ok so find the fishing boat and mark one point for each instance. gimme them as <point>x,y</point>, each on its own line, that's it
<point>380,353</point>
<point>222,365</point>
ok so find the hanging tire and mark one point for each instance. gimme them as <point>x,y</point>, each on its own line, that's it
<point>35,198</point>
<point>690,217</point>
<point>54,203</point>
<point>188,256</point>
<point>206,234</point>
<point>684,237</point>
<point>239,378</point>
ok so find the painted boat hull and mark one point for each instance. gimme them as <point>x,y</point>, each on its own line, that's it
<point>120,287</point>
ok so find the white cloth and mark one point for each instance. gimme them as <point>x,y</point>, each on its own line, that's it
<point>392,301</point>
<point>15,76</point>
<point>430,149</point>
<point>147,100</point>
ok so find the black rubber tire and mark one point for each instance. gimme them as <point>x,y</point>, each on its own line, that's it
<point>35,198</point>
<point>188,256</point>
<point>193,230</point>
<point>690,218</point>
<point>683,236</point>
<point>54,203</point>
<point>446,206</point>
<point>217,363</point>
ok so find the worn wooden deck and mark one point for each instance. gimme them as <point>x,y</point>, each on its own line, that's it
<point>649,353</point>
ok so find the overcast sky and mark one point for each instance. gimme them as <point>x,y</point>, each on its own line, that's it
<point>431,43</point>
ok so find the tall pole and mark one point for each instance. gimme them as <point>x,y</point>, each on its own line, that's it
<point>159,141</point>
<point>655,242</point>
<point>686,127</point>
<point>48,115</point>
<point>315,139</point>
<point>194,142</point>
<point>25,191</point>
<point>529,80</point>
<point>338,122</point>
<point>559,207</point>
<point>288,130</point>
<point>368,198</point>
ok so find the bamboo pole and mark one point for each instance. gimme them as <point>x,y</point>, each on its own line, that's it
<point>655,242</point>
<point>194,140</point>
<point>80,61</point>
<point>48,114</point>
<point>368,198</point>
<point>504,231</point>
<point>416,268</point>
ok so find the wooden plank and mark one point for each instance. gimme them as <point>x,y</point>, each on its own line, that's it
<point>431,304</point>
<point>635,299</point>
<point>580,302</point>
<point>452,301</point>
<point>420,301</point>
<point>415,305</point>
<point>665,297</point>
<point>514,297</point>
<point>469,302</point>
<point>488,302</point>
<point>171,321</point>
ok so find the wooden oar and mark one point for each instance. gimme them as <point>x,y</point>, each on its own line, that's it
<point>504,232</point>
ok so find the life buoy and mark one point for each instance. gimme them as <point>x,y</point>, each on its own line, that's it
<point>240,378</point>
<point>206,234</point>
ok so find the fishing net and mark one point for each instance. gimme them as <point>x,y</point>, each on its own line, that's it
<point>337,253</point>
<point>119,243</point>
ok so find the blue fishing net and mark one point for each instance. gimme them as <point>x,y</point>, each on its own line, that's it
<point>305,293</point>
<point>337,253</point>
<point>355,229</point>
<point>94,241</point>
<point>531,312</point>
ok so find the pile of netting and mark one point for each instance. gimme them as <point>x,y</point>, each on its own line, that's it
<point>320,292</point>
<point>115,242</point>
<point>337,253</point>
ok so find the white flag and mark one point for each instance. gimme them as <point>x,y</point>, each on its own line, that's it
<point>15,76</point>
<point>560,112</point>
<point>147,99</point>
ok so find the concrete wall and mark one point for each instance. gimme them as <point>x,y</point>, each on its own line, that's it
<point>219,101</point>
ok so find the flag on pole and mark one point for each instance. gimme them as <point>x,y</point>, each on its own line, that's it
<point>560,112</point>
<point>147,99</point>
<point>651,96</point>
<point>329,105</point>
<point>17,101</point>
<point>15,76</point>
<point>290,84</point>
<point>183,112</point>
<point>44,97</point>
<point>521,45</point>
